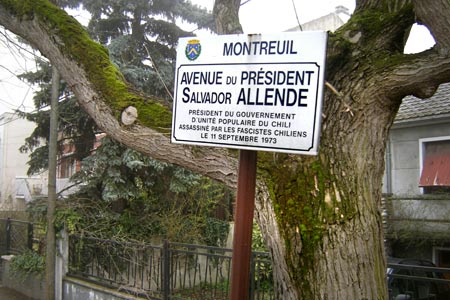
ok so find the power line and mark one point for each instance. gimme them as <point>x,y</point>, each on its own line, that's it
<point>296,15</point>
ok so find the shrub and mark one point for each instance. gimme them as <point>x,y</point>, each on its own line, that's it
<point>26,264</point>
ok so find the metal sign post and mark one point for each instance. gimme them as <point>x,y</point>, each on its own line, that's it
<point>243,225</point>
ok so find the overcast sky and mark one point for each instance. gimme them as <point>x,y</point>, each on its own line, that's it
<point>264,16</point>
<point>267,16</point>
<point>14,60</point>
<point>256,16</point>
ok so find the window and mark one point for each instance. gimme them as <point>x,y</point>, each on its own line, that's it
<point>435,171</point>
<point>441,257</point>
<point>67,167</point>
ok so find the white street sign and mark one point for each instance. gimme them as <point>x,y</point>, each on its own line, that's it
<point>255,92</point>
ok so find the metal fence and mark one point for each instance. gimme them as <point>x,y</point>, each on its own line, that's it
<point>170,271</point>
<point>192,272</point>
<point>15,236</point>
<point>417,282</point>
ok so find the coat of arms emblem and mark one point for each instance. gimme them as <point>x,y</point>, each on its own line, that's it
<point>193,49</point>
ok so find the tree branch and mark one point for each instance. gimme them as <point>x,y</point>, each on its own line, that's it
<point>226,14</point>
<point>435,14</point>
<point>103,106</point>
<point>398,74</point>
<point>420,76</point>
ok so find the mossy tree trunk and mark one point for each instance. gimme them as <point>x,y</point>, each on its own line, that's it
<point>327,232</point>
<point>320,215</point>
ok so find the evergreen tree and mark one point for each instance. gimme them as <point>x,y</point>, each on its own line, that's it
<point>134,196</point>
<point>141,37</point>
<point>74,125</point>
<point>126,195</point>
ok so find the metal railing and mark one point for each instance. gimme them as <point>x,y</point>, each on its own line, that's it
<point>15,236</point>
<point>414,282</point>
<point>170,271</point>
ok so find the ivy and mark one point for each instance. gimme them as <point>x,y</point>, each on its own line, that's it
<point>27,264</point>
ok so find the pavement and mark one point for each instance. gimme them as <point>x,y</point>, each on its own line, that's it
<point>9,294</point>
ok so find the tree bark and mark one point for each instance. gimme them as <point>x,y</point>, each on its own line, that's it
<point>320,216</point>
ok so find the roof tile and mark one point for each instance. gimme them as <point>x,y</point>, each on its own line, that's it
<point>421,109</point>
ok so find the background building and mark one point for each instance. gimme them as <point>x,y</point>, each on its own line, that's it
<point>417,179</point>
<point>15,185</point>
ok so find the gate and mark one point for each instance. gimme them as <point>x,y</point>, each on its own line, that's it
<point>15,236</point>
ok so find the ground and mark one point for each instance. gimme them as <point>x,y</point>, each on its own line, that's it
<point>8,294</point>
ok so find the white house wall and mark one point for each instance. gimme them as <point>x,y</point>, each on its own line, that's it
<point>405,157</point>
<point>13,131</point>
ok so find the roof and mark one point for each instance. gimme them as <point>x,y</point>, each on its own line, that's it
<point>416,109</point>
<point>329,22</point>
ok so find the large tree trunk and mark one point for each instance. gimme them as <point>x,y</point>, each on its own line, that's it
<point>327,236</point>
<point>329,241</point>
<point>320,216</point>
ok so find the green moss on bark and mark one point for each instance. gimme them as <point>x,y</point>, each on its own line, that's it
<point>76,44</point>
<point>306,201</point>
